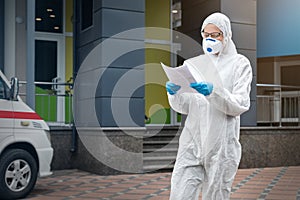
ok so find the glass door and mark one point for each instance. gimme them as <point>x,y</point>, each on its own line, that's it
<point>50,59</point>
<point>49,70</point>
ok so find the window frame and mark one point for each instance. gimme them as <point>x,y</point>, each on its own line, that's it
<point>83,29</point>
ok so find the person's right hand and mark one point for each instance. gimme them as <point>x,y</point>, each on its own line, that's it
<point>172,88</point>
<point>204,88</point>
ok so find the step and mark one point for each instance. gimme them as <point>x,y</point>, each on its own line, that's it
<point>162,134</point>
<point>162,160</point>
<point>151,158</point>
<point>160,142</point>
<point>159,137</point>
<point>158,167</point>
<point>162,150</point>
<point>160,146</point>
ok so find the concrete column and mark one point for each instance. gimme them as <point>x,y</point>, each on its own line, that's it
<point>243,22</point>
<point>110,18</point>
<point>30,88</point>
<point>1,35</point>
<point>10,38</point>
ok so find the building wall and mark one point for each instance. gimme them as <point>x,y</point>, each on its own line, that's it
<point>1,35</point>
<point>21,47</point>
<point>278,58</point>
<point>261,147</point>
<point>243,21</point>
<point>193,14</point>
<point>9,35</point>
<point>265,70</point>
<point>110,18</point>
<point>107,62</point>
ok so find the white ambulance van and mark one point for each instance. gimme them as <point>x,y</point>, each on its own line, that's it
<point>25,148</point>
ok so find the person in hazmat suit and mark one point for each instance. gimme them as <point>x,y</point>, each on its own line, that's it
<point>209,150</point>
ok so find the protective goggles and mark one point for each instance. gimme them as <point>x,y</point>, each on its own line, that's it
<point>212,35</point>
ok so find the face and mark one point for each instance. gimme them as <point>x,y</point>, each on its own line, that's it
<point>212,31</point>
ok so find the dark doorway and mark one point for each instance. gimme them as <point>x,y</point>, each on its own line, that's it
<point>45,62</point>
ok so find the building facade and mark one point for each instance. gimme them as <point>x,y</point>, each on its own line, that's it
<point>54,51</point>
<point>112,49</point>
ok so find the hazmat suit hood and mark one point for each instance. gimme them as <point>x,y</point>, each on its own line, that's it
<point>223,23</point>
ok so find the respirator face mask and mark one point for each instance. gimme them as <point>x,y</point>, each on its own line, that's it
<point>211,45</point>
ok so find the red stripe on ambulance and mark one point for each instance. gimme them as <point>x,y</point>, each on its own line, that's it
<point>19,115</point>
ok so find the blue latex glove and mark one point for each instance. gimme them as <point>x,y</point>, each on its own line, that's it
<point>172,88</point>
<point>204,88</point>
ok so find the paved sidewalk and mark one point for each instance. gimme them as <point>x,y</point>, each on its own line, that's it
<point>280,183</point>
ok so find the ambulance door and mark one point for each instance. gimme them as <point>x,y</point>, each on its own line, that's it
<point>6,112</point>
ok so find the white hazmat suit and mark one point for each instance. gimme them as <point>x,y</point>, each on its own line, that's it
<point>209,150</point>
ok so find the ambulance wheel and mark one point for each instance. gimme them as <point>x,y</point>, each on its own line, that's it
<point>18,174</point>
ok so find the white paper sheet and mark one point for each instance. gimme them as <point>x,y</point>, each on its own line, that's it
<point>197,69</point>
<point>180,75</point>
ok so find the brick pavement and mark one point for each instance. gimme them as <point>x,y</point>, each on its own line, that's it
<point>280,183</point>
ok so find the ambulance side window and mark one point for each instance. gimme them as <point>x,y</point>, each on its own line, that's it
<point>4,91</point>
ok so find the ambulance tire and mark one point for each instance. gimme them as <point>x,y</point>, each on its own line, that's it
<point>24,174</point>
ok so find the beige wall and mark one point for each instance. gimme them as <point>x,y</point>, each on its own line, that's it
<point>290,75</point>
<point>265,71</point>
<point>283,70</point>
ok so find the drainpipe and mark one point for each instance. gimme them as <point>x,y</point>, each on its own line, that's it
<point>74,22</point>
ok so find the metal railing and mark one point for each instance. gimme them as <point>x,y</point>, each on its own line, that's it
<point>53,104</point>
<point>278,105</point>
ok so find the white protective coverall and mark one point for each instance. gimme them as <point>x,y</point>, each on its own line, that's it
<point>209,150</point>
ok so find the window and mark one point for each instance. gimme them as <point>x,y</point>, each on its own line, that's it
<point>86,14</point>
<point>49,16</point>
<point>4,91</point>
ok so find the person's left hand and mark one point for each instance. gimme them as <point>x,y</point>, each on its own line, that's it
<point>172,88</point>
<point>204,88</point>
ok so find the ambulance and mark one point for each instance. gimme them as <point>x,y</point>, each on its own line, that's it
<point>25,147</point>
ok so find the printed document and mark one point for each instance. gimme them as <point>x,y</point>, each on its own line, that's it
<point>196,69</point>
<point>180,75</point>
